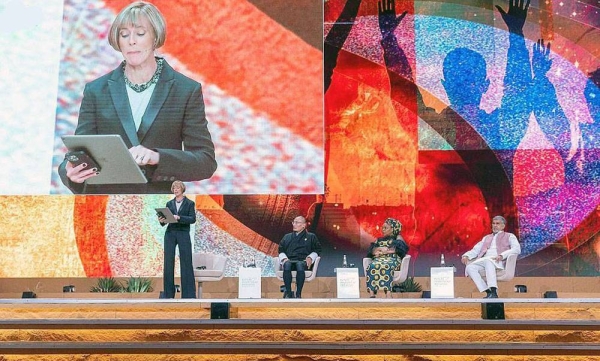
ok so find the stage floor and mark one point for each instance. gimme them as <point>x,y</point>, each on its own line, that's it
<point>324,329</point>
<point>305,302</point>
<point>323,308</point>
<point>321,288</point>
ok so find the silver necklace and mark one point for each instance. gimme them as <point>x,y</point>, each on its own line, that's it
<point>138,88</point>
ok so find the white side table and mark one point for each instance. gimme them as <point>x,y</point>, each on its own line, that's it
<point>442,282</point>
<point>249,282</point>
<point>347,283</point>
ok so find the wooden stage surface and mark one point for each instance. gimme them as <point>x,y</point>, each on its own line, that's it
<point>87,326</point>
<point>320,329</point>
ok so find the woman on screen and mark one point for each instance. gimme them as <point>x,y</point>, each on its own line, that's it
<point>158,112</point>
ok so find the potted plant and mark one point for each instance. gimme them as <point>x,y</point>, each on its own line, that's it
<point>409,288</point>
<point>138,285</point>
<point>107,284</point>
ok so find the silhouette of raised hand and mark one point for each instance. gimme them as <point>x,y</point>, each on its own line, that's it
<point>516,15</point>
<point>388,22</point>
<point>336,38</point>
<point>541,59</point>
<point>548,111</point>
<point>393,55</point>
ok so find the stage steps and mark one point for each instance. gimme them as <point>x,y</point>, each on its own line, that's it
<point>299,324</point>
<point>268,329</point>
<point>301,348</point>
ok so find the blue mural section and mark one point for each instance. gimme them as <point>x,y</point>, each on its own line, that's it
<point>511,87</point>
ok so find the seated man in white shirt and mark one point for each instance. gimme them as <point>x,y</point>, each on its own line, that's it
<point>489,255</point>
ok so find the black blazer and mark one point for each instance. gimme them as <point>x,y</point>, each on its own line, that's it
<point>175,116</point>
<point>187,214</point>
<point>297,247</point>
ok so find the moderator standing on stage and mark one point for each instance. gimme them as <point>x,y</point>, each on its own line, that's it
<point>157,111</point>
<point>178,234</point>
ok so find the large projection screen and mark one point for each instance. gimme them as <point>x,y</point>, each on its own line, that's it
<point>259,63</point>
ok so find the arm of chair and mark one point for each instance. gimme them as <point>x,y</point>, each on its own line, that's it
<point>366,262</point>
<point>220,262</point>
<point>316,264</point>
<point>402,274</point>
<point>509,268</point>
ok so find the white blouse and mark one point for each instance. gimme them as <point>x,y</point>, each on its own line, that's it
<point>139,102</point>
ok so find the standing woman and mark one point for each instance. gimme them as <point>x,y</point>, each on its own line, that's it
<point>158,112</point>
<point>386,252</point>
<point>178,234</point>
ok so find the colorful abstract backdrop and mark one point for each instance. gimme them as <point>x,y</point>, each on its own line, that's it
<point>439,114</point>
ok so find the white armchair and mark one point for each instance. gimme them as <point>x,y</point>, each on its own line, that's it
<point>399,275</point>
<point>214,269</point>
<point>310,275</point>
<point>508,273</point>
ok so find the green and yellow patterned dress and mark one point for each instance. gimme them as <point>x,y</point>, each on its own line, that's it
<point>380,271</point>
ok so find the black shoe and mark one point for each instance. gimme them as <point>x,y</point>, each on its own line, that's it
<point>288,295</point>
<point>298,295</point>
<point>491,293</point>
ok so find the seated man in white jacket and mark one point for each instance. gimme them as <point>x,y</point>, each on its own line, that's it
<point>489,255</point>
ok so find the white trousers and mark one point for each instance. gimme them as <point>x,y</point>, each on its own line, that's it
<point>473,269</point>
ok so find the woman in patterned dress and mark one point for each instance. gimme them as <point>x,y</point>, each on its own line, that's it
<point>386,252</point>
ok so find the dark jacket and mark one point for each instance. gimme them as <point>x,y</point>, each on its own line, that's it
<point>298,246</point>
<point>187,214</point>
<point>175,116</point>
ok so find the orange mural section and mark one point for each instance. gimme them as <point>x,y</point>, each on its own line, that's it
<point>212,208</point>
<point>250,56</point>
<point>89,216</point>
<point>37,238</point>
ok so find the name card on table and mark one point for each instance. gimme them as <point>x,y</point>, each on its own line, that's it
<point>249,282</point>
<point>442,282</point>
<point>347,283</point>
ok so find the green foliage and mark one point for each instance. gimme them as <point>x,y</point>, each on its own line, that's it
<point>138,284</point>
<point>107,284</point>
<point>133,284</point>
<point>410,285</point>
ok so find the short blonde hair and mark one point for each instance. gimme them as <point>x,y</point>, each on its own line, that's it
<point>178,183</point>
<point>130,15</point>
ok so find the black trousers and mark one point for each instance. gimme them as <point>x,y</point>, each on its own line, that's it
<point>188,284</point>
<point>300,267</point>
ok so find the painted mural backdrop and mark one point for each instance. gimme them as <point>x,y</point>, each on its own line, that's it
<point>447,113</point>
<point>440,114</point>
